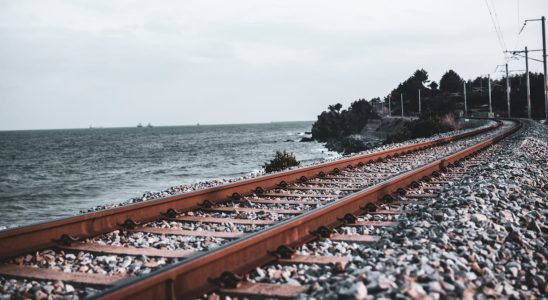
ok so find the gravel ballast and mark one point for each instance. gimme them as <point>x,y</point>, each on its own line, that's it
<point>485,236</point>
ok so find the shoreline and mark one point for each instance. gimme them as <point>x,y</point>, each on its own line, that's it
<point>185,188</point>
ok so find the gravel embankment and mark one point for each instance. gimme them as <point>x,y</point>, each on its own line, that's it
<point>490,243</point>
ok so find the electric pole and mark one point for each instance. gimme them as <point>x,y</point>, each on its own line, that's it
<point>508,91</point>
<point>389,107</point>
<point>528,83</point>
<point>490,105</point>
<point>401,96</point>
<point>465,107</point>
<point>543,21</point>
<point>419,101</point>
<point>527,80</point>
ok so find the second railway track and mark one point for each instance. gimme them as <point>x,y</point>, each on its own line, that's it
<point>184,246</point>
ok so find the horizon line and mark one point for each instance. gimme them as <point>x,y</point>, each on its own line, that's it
<point>180,125</point>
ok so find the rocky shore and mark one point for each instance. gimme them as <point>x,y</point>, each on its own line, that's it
<point>176,190</point>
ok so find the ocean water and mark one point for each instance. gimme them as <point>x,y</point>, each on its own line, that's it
<point>47,174</point>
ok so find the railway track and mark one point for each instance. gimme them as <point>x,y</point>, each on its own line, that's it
<point>186,245</point>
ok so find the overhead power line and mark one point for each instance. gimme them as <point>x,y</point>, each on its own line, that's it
<point>498,23</point>
<point>497,29</point>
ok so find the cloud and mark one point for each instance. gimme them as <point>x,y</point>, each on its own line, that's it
<point>75,63</point>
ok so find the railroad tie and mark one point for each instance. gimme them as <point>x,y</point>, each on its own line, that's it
<point>389,212</point>
<point>404,202</point>
<point>205,233</point>
<point>328,181</point>
<point>52,275</point>
<point>254,210</point>
<point>222,220</point>
<point>264,290</point>
<point>309,188</point>
<point>425,195</point>
<point>355,238</point>
<point>373,223</point>
<point>299,195</point>
<point>315,259</point>
<point>282,201</point>
<point>123,250</point>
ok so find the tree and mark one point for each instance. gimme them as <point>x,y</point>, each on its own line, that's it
<point>335,123</point>
<point>433,85</point>
<point>337,107</point>
<point>421,75</point>
<point>451,82</point>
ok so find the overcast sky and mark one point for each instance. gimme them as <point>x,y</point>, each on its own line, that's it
<point>72,64</point>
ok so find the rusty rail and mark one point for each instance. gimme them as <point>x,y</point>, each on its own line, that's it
<point>191,278</point>
<point>33,237</point>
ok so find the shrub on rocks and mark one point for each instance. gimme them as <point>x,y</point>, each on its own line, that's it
<point>281,161</point>
<point>346,145</point>
<point>425,126</point>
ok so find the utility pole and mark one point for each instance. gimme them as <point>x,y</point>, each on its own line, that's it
<point>544,62</point>
<point>528,83</point>
<point>543,20</point>
<point>490,105</point>
<point>527,80</point>
<point>508,91</point>
<point>419,101</point>
<point>389,107</point>
<point>401,104</point>
<point>465,106</point>
<point>545,75</point>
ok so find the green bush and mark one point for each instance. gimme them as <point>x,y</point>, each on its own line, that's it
<point>346,145</point>
<point>425,126</point>
<point>281,161</point>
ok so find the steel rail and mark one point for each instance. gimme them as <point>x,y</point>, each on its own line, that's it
<point>42,235</point>
<point>191,278</point>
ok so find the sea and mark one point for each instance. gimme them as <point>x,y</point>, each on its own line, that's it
<point>49,174</point>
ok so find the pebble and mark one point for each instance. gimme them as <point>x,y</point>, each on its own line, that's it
<point>485,236</point>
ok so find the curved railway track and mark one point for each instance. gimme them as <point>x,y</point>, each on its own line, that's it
<point>186,245</point>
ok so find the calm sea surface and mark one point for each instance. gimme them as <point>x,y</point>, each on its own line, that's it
<point>47,174</point>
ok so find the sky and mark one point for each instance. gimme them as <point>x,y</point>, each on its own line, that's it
<point>72,64</point>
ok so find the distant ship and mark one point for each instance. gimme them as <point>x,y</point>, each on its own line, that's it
<point>139,125</point>
<point>149,125</point>
<point>197,124</point>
